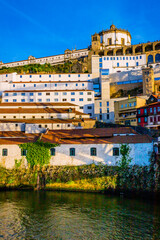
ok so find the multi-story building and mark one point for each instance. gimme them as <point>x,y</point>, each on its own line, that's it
<point>126,110</point>
<point>37,117</point>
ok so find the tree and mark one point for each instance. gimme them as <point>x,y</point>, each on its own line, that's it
<point>125,156</point>
<point>38,155</point>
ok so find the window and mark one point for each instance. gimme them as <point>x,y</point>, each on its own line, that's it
<point>123,58</point>
<point>47,100</point>
<point>20,76</point>
<point>40,76</point>
<point>52,151</point>
<point>155,110</point>
<point>145,119</point>
<point>88,75</point>
<point>81,99</point>
<point>140,57</point>
<point>89,93</point>
<point>151,119</point>
<point>49,76</point>
<point>126,105</point>
<point>145,111</point>
<point>59,75</point>
<point>136,57</point>
<point>122,106</point>
<point>117,64</point>
<point>107,104</point>
<point>56,99</point>
<point>81,93</point>
<point>6,94</point>
<point>66,84</point>
<point>79,75</point>
<point>55,85</point>
<point>22,94</point>
<point>47,94</point>
<point>13,85</point>
<point>139,120</point>
<point>56,93</point>
<point>93,152</point>
<point>107,110</point>
<point>23,100</point>
<point>100,104</point>
<point>6,100</point>
<point>72,93</point>
<point>89,99</point>
<point>23,152</point>
<point>72,99</point>
<point>4,152</point>
<point>24,116</point>
<point>134,104</point>
<point>64,93</point>
<point>34,85</point>
<point>137,64</point>
<point>69,75</point>
<point>72,151</point>
<point>33,116</point>
<point>126,64</point>
<point>139,111</point>
<point>150,110</point>
<point>89,107</point>
<point>24,85</point>
<point>82,84</point>
<point>31,100</point>
<point>31,94</point>
<point>14,94</point>
<point>115,151</point>
<point>45,85</point>
<point>64,99</point>
<point>30,76</point>
<point>80,107</point>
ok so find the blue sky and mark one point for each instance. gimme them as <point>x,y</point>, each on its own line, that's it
<point>43,28</point>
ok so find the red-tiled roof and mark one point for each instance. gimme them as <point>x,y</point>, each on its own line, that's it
<point>44,104</point>
<point>83,136</point>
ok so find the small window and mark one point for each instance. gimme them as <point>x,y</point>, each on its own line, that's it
<point>47,100</point>
<point>89,93</point>
<point>72,93</point>
<point>4,152</point>
<point>72,99</point>
<point>14,100</point>
<point>40,76</point>
<point>115,151</point>
<point>89,99</point>
<point>47,94</point>
<point>31,94</point>
<point>93,152</point>
<point>81,99</point>
<point>30,76</point>
<point>49,76</point>
<point>72,151</point>
<point>45,85</point>
<point>81,93</point>
<point>52,151</point>
<point>34,85</point>
<point>33,116</point>
<point>23,152</point>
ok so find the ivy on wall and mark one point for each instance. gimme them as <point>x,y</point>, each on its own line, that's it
<point>37,153</point>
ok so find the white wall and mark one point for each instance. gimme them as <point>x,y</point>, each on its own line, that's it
<point>140,154</point>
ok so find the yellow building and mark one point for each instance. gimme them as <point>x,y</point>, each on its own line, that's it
<point>126,110</point>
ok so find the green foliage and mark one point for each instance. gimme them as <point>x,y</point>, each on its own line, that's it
<point>40,68</point>
<point>125,157</point>
<point>38,153</point>
<point>18,163</point>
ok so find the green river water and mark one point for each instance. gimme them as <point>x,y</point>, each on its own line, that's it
<point>67,216</point>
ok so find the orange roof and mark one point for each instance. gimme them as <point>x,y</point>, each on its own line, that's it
<point>40,121</point>
<point>76,136</point>
<point>44,104</point>
<point>38,110</point>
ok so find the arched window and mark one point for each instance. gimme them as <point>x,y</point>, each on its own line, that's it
<point>72,151</point>
<point>157,57</point>
<point>93,152</point>
<point>150,59</point>
<point>4,152</point>
<point>52,151</point>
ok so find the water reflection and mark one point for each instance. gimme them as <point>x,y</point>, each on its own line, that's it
<point>56,215</point>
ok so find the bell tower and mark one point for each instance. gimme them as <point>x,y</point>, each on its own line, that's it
<point>148,80</point>
<point>96,42</point>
